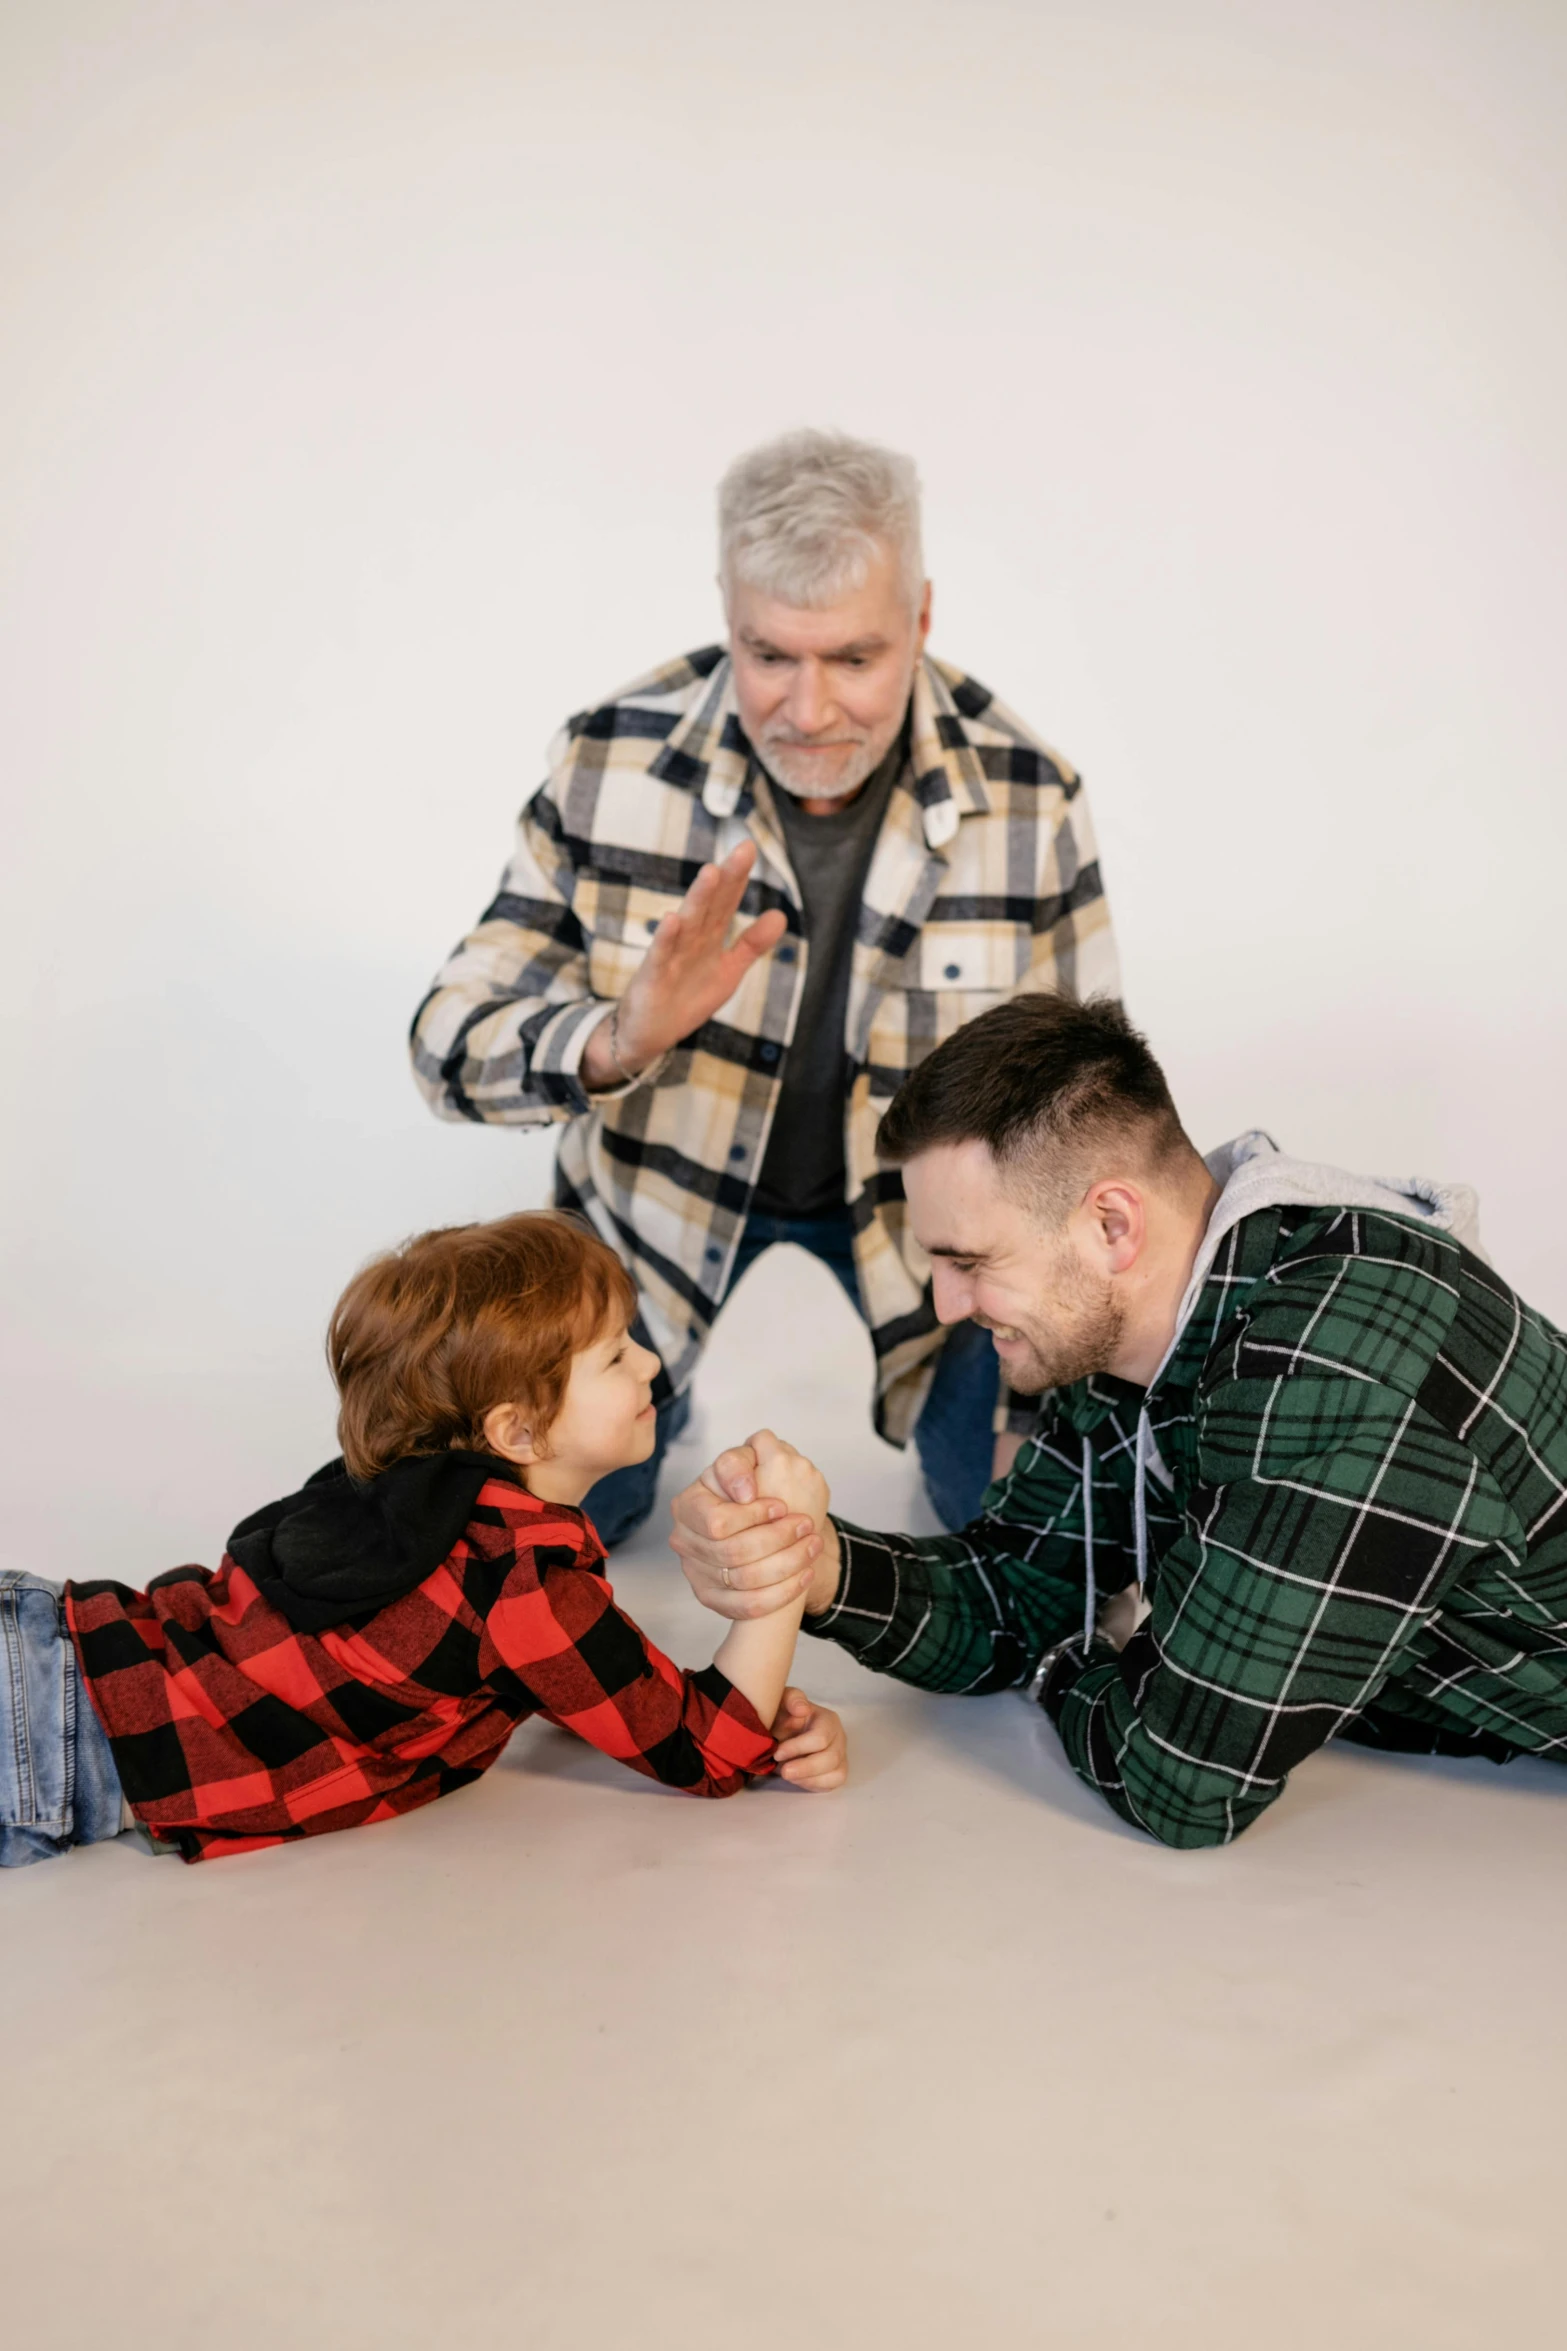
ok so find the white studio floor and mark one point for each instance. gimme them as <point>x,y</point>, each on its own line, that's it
<point>947,2058</point>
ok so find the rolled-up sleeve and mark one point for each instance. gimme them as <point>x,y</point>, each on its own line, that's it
<point>499,1037</point>
<point>583,1662</point>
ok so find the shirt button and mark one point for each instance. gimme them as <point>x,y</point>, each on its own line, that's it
<point>769,1053</point>
<point>714,1256</point>
<point>737,1150</point>
<point>786,955</point>
<point>953,971</point>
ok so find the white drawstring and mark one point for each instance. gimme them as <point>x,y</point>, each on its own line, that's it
<point>1140,1500</point>
<point>1090,1589</point>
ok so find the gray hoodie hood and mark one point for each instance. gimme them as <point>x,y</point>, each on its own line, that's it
<point>1253,1173</point>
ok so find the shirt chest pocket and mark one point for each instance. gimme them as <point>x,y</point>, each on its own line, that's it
<point>620,927</point>
<point>992,956</point>
<point>954,972</point>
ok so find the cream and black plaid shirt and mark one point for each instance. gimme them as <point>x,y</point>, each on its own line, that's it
<point>983,883</point>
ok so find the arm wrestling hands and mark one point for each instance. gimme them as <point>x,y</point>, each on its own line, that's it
<point>687,973</point>
<point>752,1535</point>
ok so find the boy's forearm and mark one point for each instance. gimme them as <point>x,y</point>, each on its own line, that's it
<point>756,1655</point>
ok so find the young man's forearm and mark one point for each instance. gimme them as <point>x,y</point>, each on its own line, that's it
<point>943,1611</point>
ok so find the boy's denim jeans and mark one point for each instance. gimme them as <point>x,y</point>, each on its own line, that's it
<point>953,1436</point>
<point>58,1784</point>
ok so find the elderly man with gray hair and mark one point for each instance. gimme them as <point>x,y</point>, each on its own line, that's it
<point>758,886</point>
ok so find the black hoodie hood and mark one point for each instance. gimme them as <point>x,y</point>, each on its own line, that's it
<point>343,1547</point>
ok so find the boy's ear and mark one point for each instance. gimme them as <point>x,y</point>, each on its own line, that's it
<point>509,1432</point>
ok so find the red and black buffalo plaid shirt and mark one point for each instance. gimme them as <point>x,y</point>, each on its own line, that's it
<point>233,1728</point>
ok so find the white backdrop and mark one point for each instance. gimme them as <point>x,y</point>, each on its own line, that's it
<point>367,371</point>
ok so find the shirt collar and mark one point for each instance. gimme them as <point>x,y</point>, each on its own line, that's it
<point>710,754</point>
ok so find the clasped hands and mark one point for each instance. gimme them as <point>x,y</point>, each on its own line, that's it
<point>753,1536</point>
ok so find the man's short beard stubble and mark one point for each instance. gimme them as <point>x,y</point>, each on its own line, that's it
<point>1081,1337</point>
<point>801,783</point>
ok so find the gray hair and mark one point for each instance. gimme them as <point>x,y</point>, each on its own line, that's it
<point>802,517</point>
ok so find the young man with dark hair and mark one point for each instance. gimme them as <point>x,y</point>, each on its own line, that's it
<point>1300,1471</point>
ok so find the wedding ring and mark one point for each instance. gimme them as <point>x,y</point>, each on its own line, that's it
<point>724,1572</point>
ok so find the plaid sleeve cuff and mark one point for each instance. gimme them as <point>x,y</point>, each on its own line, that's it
<point>1057,1674</point>
<point>560,1045</point>
<point>867,1596</point>
<point>738,1736</point>
<point>1059,1671</point>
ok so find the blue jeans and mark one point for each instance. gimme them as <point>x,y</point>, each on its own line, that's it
<point>58,1784</point>
<point>953,1436</point>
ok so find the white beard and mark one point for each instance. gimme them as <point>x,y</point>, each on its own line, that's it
<point>795,776</point>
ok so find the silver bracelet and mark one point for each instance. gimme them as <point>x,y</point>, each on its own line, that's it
<point>1034,1688</point>
<point>612,1039</point>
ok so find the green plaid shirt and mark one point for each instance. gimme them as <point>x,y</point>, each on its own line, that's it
<point>984,883</point>
<point>1356,1525</point>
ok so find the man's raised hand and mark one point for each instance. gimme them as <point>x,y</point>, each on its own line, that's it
<point>688,972</point>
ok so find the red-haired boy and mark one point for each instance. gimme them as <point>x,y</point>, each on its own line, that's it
<point>371,1642</point>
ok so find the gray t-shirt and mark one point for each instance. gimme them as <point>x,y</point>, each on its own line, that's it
<point>802,1172</point>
